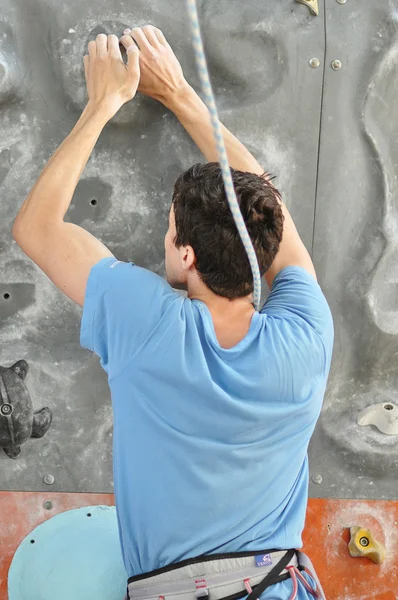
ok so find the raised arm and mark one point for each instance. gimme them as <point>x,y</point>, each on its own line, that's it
<point>64,251</point>
<point>162,78</point>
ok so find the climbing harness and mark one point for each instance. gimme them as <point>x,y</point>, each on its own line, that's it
<point>234,576</point>
<point>221,151</point>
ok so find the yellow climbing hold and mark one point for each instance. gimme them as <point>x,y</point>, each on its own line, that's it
<point>362,543</point>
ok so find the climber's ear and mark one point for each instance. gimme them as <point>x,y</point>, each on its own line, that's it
<point>20,368</point>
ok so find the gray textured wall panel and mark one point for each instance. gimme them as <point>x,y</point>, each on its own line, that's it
<point>267,94</point>
<point>355,247</point>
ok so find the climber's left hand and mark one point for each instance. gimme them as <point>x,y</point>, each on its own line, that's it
<point>110,83</point>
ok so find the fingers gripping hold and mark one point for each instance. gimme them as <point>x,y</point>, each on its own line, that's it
<point>160,72</point>
<point>132,51</point>
<point>127,41</point>
<point>159,34</point>
<point>113,47</point>
<point>141,39</point>
<point>86,62</point>
<point>92,49</point>
<point>133,58</point>
<point>110,82</point>
<point>149,32</point>
<point>102,45</point>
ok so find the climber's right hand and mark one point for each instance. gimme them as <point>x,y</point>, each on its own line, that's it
<point>161,73</point>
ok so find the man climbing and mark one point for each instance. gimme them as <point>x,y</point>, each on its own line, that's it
<point>214,404</point>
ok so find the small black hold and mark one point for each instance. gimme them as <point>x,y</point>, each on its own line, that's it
<point>32,541</point>
<point>93,202</point>
<point>41,422</point>
<point>89,514</point>
<point>22,421</point>
<point>6,296</point>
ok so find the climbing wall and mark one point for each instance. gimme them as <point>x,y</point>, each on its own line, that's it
<point>314,99</point>
<point>126,189</point>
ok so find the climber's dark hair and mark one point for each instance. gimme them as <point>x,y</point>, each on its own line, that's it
<point>204,221</point>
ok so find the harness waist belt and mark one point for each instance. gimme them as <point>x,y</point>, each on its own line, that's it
<point>212,576</point>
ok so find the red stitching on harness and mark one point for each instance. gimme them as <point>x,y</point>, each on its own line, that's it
<point>247,585</point>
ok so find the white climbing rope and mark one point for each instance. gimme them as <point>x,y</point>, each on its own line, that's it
<point>221,151</point>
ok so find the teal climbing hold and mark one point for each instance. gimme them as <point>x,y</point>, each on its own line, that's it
<point>73,556</point>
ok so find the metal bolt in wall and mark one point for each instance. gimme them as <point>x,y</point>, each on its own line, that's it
<point>341,1</point>
<point>48,479</point>
<point>364,541</point>
<point>47,504</point>
<point>336,64</point>
<point>314,63</point>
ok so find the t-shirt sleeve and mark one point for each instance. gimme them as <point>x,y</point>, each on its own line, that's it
<point>296,294</point>
<point>123,305</point>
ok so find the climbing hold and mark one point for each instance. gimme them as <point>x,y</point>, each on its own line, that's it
<point>384,416</point>
<point>362,543</point>
<point>18,422</point>
<point>70,66</point>
<point>317,478</point>
<point>312,5</point>
<point>11,71</point>
<point>70,556</point>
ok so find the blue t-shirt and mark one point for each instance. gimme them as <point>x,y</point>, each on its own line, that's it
<point>210,444</point>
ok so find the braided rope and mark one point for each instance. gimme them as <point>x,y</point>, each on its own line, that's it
<point>221,151</point>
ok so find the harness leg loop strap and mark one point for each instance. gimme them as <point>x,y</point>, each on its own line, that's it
<point>305,561</point>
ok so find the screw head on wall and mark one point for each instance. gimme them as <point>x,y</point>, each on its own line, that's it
<point>48,479</point>
<point>314,63</point>
<point>336,64</point>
